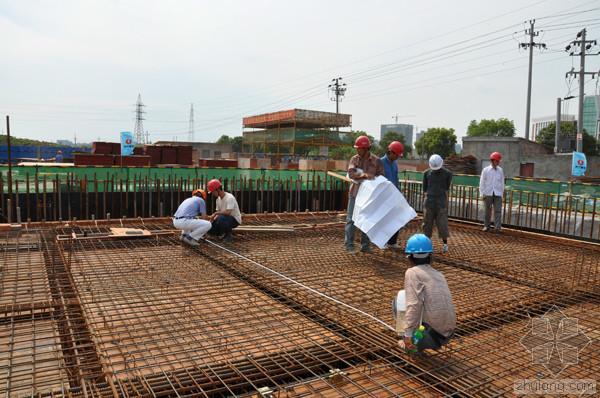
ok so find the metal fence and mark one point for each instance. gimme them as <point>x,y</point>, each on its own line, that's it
<point>43,197</point>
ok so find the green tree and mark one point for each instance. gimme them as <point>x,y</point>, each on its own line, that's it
<point>567,129</point>
<point>390,136</point>
<point>346,149</point>
<point>493,128</point>
<point>235,142</point>
<point>438,140</point>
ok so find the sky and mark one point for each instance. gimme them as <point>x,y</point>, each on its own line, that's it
<point>75,68</point>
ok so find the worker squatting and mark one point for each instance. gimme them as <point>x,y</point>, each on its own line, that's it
<point>226,217</point>
<point>424,312</point>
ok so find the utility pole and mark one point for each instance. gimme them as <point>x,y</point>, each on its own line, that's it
<point>139,121</point>
<point>338,90</point>
<point>191,124</point>
<point>557,129</point>
<point>9,207</point>
<point>531,44</point>
<point>584,45</point>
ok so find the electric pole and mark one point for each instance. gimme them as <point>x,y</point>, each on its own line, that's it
<point>338,90</point>
<point>584,45</point>
<point>531,44</point>
<point>138,130</point>
<point>191,124</point>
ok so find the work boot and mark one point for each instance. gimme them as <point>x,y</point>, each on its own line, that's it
<point>228,238</point>
<point>485,229</point>
<point>366,250</point>
<point>445,248</point>
<point>190,241</point>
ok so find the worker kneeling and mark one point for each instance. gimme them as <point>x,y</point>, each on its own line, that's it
<point>423,311</point>
<point>192,229</point>
<point>227,215</point>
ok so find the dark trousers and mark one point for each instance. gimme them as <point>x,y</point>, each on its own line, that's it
<point>394,239</point>
<point>223,225</point>
<point>431,339</point>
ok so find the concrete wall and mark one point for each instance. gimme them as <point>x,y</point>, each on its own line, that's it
<point>516,151</point>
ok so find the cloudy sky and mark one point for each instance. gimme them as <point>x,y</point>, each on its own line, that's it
<point>76,67</point>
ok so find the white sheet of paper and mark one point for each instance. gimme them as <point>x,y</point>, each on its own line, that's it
<point>380,210</point>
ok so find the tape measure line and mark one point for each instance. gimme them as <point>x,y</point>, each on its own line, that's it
<point>310,289</point>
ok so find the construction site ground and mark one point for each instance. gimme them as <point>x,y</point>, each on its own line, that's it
<point>284,314</point>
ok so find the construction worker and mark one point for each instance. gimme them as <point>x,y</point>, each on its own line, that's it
<point>59,157</point>
<point>430,317</point>
<point>491,188</point>
<point>390,168</point>
<point>436,183</point>
<point>227,215</point>
<point>192,229</point>
<point>363,166</point>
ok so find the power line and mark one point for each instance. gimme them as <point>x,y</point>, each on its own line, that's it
<point>191,124</point>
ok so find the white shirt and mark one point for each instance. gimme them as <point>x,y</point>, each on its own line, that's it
<point>491,181</point>
<point>229,203</point>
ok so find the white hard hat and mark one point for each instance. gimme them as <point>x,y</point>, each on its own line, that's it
<point>436,162</point>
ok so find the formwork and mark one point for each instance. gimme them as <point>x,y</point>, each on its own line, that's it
<point>277,314</point>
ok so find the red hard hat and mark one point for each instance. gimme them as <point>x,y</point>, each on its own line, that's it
<point>362,142</point>
<point>396,147</point>
<point>496,156</point>
<point>199,191</point>
<point>213,185</point>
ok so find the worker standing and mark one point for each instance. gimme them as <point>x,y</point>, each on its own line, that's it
<point>192,229</point>
<point>363,166</point>
<point>59,157</point>
<point>430,319</point>
<point>491,188</point>
<point>436,184</point>
<point>227,215</point>
<point>390,167</point>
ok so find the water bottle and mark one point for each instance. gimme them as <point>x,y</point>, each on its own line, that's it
<point>418,335</point>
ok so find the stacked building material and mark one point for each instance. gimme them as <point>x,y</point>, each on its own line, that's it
<point>461,165</point>
<point>87,159</point>
<point>168,155</point>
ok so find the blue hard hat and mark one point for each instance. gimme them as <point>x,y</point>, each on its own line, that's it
<point>418,244</point>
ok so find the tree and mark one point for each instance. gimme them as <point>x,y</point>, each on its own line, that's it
<point>438,140</point>
<point>235,142</point>
<point>546,137</point>
<point>491,128</point>
<point>390,136</point>
<point>346,149</point>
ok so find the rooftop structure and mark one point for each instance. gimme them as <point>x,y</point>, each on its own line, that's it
<point>294,131</point>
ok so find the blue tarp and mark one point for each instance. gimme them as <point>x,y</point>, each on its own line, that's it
<point>18,152</point>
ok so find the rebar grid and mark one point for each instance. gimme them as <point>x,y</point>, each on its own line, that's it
<point>146,317</point>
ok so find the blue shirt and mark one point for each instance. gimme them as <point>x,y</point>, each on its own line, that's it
<point>191,207</point>
<point>390,169</point>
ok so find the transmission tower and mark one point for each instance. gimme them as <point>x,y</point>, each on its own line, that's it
<point>138,130</point>
<point>191,126</point>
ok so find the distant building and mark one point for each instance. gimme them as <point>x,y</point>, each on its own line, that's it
<point>65,142</point>
<point>204,150</point>
<point>457,148</point>
<point>591,115</point>
<point>294,132</point>
<point>419,135</point>
<point>405,129</point>
<point>539,123</point>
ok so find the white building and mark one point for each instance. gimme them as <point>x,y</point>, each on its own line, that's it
<point>541,122</point>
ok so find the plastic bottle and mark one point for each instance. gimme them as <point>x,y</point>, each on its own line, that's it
<point>418,334</point>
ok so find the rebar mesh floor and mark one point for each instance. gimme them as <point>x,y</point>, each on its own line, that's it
<point>280,313</point>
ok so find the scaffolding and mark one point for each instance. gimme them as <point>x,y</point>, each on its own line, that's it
<point>294,132</point>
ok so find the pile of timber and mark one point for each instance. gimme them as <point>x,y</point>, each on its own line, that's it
<point>461,164</point>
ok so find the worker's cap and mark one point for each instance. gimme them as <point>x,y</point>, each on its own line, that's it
<point>436,162</point>
<point>202,192</point>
